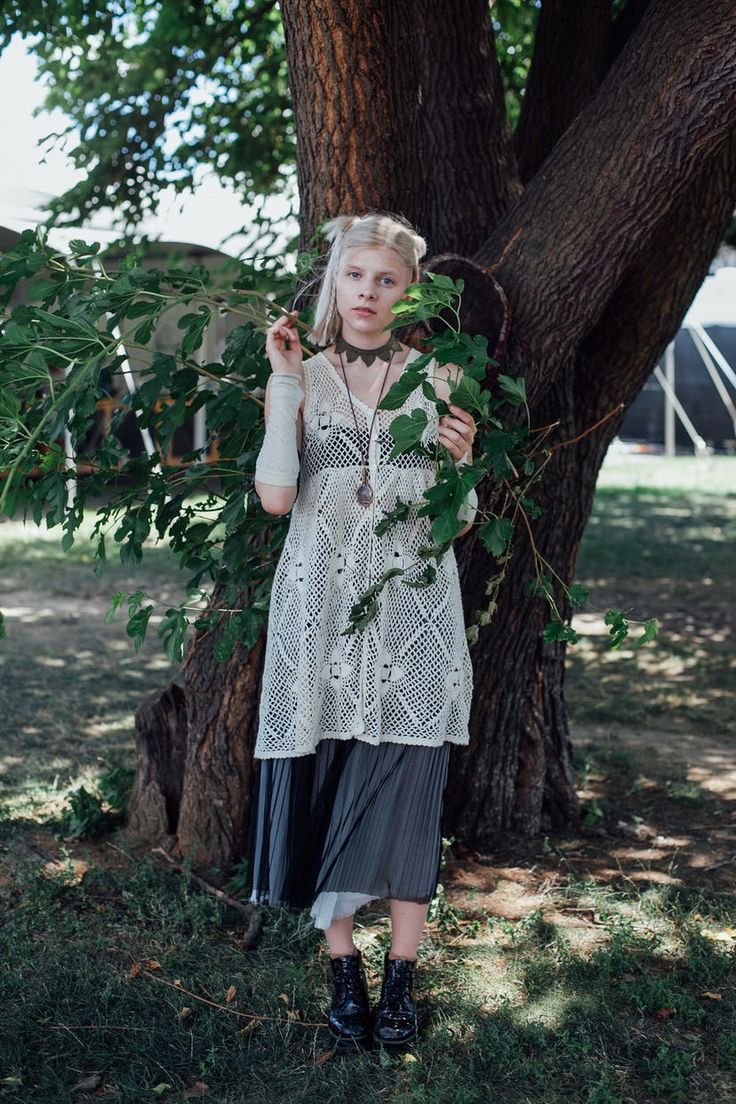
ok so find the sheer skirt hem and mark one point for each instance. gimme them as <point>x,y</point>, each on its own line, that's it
<point>354,823</point>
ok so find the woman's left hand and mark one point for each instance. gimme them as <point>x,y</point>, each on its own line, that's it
<point>457,432</point>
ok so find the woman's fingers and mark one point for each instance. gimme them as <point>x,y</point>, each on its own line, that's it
<point>457,431</point>
<point>462,427</point>
<point>284,327</point>
<point>460,413</point>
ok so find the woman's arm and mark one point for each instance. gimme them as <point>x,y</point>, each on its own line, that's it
<point>277,466</point>
<point>279,455</point>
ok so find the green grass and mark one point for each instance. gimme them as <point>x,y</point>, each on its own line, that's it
<point>516,1008</point>
<point>660,543</point>
<point>127,978</point>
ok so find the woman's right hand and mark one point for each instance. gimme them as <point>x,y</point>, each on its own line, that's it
<point>282,345</point>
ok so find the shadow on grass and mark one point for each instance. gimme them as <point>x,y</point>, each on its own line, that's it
<point>107,981</point>
<point>657,553</point>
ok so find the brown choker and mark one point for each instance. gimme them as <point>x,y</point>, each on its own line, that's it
<point>354,352</point>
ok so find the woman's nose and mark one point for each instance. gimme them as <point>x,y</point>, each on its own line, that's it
<point>368,292</point>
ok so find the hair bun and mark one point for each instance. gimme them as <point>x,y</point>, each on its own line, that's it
<point>336,227</point>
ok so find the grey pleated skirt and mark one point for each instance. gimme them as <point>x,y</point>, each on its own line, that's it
<point>351,823</point>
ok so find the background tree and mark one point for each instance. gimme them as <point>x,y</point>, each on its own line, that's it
<point>583,236</point>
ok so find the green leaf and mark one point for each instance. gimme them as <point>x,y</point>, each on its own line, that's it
<point>80,248</point>
<point>67,540</point>
<point>400,512</point>
<point>172,631</point>
<point>557,630</point>
<point>407,431</point>
<point>541,586</point>
<point>577,594</point>
<point>365,609</point>
<point>445,527</point>
<point>425,579</point>
<point>116,602</point>
<point>533,509</point>
<point>513,389</point>
<point>498,444</point>
<point>100,557</point>
<point>496,533</point>
<point>651,632</point>
<point>429,391</point>
<point>194,325</point>
<point>131,534</point>
<point>619,627</point>
<point>138,624</point>
<point>399,391</point>
<point>467,394</point>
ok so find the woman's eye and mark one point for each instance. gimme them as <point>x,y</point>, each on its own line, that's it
<point>388,280</point>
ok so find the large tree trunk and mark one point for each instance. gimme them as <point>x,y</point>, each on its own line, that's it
<point>631,174</point>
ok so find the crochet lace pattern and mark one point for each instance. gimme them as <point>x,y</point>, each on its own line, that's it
<point>407,677</point>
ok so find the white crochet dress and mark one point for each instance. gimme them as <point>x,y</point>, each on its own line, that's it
<point>407,677</point>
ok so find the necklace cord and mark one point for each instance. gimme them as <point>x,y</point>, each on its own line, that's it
<point>375,409</point>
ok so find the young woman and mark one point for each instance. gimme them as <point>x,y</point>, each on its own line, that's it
<point>355,728</point>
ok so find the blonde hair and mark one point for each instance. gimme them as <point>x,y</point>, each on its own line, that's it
<point>350,232</point>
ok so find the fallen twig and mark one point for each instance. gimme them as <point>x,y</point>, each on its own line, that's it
<point>224,1008</point>
<point>252,915</point>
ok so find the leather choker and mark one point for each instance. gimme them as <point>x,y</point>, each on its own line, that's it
<point>354,352</point>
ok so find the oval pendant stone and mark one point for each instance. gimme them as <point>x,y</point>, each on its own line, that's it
<point>364,494</point>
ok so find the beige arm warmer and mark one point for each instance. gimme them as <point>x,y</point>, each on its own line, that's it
<point>470,508</point>
<point>278,460</point>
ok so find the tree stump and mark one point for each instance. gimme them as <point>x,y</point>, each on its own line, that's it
<point>161,737</point>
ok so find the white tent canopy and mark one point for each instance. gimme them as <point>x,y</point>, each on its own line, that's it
<point>715,302</point>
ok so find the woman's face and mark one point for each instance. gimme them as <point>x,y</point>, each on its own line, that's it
<point>371,279</point>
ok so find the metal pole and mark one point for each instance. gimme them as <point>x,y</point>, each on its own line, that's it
<point>715,352</point>
<point>701,448</point>
<point>669,392</point>
<point>70,462</point>
<point>717,381</point>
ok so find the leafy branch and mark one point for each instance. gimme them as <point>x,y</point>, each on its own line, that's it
<point>81,348</point>
<point>512,457</point>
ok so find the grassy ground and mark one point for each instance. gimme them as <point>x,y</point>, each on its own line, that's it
<point>594,966</point>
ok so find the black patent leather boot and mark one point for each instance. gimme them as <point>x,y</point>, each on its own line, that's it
<point>396,1017</point>
<point>349,1017</point>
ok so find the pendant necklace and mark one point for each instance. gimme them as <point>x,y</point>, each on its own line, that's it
<point>364,493</point>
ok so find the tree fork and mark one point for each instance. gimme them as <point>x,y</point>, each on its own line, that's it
<point>666,107</point>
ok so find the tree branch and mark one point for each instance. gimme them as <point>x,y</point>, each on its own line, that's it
<point>631,154</point>
<point>568,64</point>
<point>651,300</point>
<point>471,179</point>
<point>353,70</point>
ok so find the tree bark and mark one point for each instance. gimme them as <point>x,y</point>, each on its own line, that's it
<point>516,774</point>
<point>470,175</point>
<point>354,80</point>
<point>571,50</point>
<point>220,772</point>
<point>161,740</point>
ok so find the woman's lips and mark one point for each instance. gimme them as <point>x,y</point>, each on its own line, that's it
<point>364,311</point>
